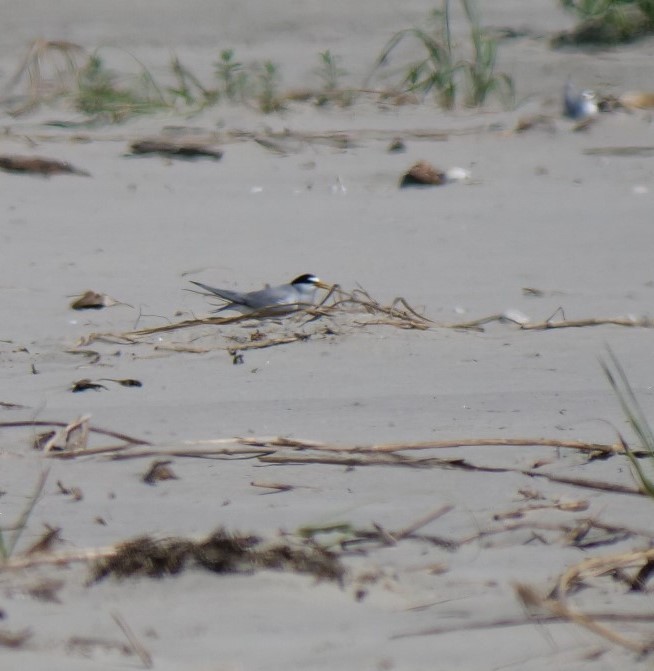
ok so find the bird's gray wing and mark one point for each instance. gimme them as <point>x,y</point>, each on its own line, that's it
<point>282,295</point>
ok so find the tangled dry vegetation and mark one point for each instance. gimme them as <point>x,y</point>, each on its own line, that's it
<point>322,550</point>
<point>307,551</point>
<point>355,309</point>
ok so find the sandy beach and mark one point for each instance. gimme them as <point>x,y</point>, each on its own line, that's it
<point>477,488</point>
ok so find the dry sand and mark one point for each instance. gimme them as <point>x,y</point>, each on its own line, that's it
<point>539,213</point>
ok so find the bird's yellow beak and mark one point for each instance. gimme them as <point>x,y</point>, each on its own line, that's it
<point>323,285</point>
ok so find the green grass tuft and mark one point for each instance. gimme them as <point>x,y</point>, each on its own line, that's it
<point>9,541</point>
<point>100,93</point>
<point>442,71</point>
<point>636,418</point>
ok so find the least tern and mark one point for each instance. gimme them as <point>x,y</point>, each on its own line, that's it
<point>284,299</point>
<point>579,105</point>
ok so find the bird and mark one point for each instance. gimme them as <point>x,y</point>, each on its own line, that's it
<point>283,299</point>
<point>578,105</point>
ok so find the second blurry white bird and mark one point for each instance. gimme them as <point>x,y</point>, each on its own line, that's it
<point>578,105</point>
<point>280,300</point>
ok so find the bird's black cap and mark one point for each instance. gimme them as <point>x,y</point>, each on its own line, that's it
<point>306,279</point>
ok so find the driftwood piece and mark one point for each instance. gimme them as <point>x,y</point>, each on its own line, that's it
<point>35,165</point>
<point>187,150</point>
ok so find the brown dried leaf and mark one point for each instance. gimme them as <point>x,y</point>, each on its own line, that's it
<point>92,300</point>
<point>42,440</point>
<point>74,492</point>
<point>129,382</point>
<point>423,174</point>
<point>159,470</point>
<point>85,384</point>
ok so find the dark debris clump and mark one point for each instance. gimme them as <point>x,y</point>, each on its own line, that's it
<point>221,552</point>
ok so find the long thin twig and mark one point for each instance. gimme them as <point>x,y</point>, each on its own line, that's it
<point>281,450</point>
<point>58,558</point>
<point>123,452</point>
<point>102,432</point>
<point>455,464</point>
<point>300,444</point>
<point>134,642</point>
<point>597,485</point>
<point>558,608</point>
<point>644,322</point>
<point>498,623</point>
<point>421,522</point>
